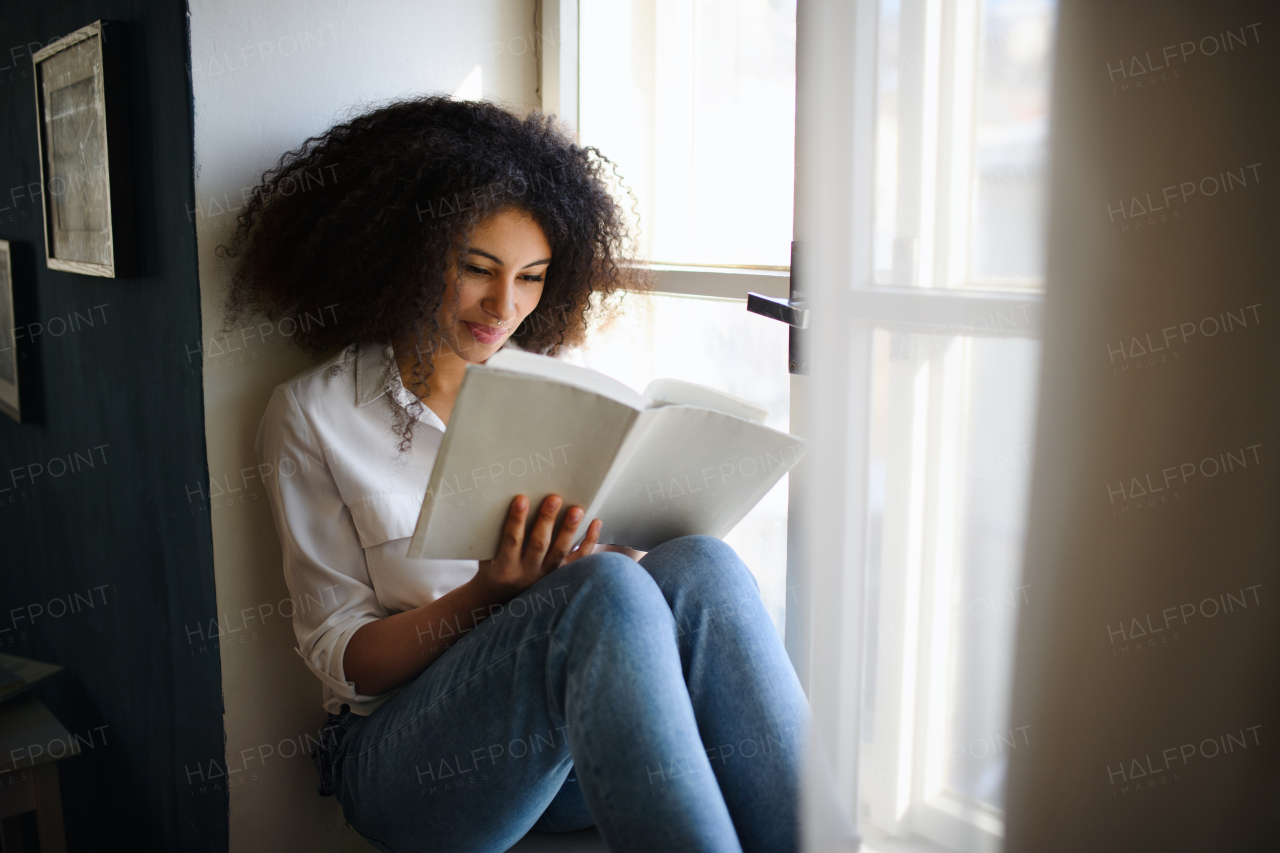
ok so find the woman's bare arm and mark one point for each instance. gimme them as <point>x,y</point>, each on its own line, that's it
<point>384,654</point>
<point>387,653</point>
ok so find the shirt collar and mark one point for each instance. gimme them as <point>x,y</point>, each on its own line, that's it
<point>377,374</point>
<point>373,374</point>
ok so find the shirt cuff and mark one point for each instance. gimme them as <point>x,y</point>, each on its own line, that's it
<point>345,689</point>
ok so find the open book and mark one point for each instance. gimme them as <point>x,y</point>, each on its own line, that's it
<point>679,459</point>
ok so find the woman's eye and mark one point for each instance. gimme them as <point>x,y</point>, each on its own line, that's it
<point>471,268</point>
<point>532,277</point>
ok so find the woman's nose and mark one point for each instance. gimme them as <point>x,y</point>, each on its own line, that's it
<point>501,302</point>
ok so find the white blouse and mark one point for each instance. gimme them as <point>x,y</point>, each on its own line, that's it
<point>345,503</point>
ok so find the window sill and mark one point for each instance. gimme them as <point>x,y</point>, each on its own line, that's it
<point>720,282</point>
<point>877,842</point>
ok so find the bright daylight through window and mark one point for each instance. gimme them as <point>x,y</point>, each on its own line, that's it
<point>694,101</point>
<point>960,170</point>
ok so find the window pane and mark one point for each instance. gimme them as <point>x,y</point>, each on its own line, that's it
<point>717,343</point>
<point>887,75</point>
<point>695,102</point>
<point>962,105</point>
<point>987,595</point>
<point>1011,137</point>
<point>952,425</point>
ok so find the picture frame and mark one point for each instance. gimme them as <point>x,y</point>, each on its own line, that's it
<point>14,371</point>
<point>82,116</point>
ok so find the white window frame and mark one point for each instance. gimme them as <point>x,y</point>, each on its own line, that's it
<point>904,774</point>
<point>556,58</point>
<point>837,109</point>
<point>827,546</point>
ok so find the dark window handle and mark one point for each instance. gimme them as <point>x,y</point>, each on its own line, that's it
<point>790,311</point>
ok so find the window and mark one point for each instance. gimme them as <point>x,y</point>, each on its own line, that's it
<point>694,101</point>
<point>943,363</point>
<point>950,453</point>
<point>926,347</point>
<point>961,127</point>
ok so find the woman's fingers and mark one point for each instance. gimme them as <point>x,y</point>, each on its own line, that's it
<point>543,549</point>
<point>564,539</point>
<point>513,530</point>
<point>539,540</point>
<point>588,543</point>
<point>593,535</point>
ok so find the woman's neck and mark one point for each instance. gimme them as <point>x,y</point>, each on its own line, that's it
<point>445,380</point>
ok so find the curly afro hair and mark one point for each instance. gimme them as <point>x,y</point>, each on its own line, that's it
<point>367,217</point>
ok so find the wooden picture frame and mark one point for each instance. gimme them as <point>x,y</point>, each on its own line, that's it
<point>11,360</point>
<point>82,117</point>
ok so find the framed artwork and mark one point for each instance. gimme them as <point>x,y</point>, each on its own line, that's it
<point>83,120</point>
<point>10,359</point>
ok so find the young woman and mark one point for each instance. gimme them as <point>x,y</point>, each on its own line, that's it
<point>548,688</point>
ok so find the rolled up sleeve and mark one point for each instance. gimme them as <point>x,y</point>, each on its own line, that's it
<point>324,563</point>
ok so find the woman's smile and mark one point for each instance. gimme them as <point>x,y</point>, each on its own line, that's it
<point>498,284</point>
<point>486,334</point>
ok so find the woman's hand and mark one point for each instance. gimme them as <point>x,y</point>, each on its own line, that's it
<point>520,564</point>
<point>390,651</point>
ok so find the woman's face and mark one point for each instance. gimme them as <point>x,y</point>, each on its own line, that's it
<point>499,284</point>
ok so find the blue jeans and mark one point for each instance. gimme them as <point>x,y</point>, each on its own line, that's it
<point>654,700</point>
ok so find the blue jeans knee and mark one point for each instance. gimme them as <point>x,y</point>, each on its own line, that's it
<point>700,561</point>
<point>617,584</point>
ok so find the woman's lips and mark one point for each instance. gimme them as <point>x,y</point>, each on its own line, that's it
<point>486,334</point>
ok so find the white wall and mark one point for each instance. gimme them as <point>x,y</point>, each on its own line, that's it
<point>266,75</point>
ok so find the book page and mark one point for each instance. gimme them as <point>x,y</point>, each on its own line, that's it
<point>509,434</point>
<point>694,471</point>
<point>678,392</point>
<point>530,364</point>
